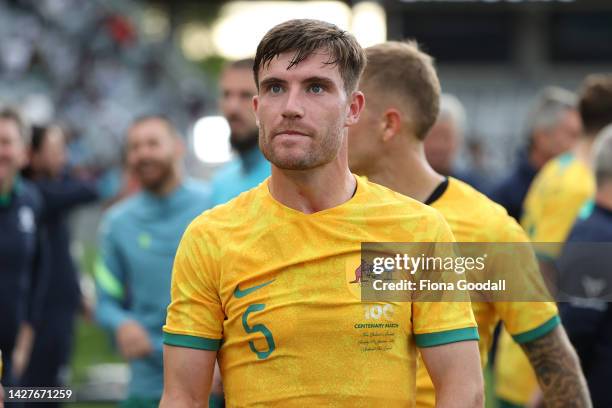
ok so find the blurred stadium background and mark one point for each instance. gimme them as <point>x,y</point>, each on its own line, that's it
<point>94,65</point>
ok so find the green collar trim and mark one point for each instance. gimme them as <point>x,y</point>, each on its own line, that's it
<point>5,198</point>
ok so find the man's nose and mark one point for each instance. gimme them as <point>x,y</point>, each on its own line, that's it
<point>293,107</point>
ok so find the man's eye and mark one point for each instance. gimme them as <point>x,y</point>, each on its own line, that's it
<point>275,89</point>
<point>316,89</point>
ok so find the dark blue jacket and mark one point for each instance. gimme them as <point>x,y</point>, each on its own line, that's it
<point>585,267</point>
<point>61,196</point>
<point>511,192</point>
<point>23,262</point>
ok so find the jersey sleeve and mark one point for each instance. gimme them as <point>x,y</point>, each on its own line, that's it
<point>550,212</point>
<point>195,315</point>
<point>110,276</point>
<point>526,321</point>
<point>63,195</point>
<point>444,322</point>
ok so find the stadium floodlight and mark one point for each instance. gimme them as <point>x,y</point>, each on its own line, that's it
<point>238,17</point>
<point>196,41</point>
<point>369,24</point>
<point>210,140</point>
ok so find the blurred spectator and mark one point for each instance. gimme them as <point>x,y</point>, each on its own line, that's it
<point>445,140</point>
<point>555,198</point>
<point>23,272</point>
<point>127,180</point>
<point>251,168</point>
<point>587,317</point>
<point>62,193</point>
<point>138,239</point>
<point>553,126</point>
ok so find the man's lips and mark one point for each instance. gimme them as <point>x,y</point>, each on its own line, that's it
<point>290,132</point>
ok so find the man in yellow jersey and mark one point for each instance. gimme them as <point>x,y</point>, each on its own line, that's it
<point>264,281</point>
<point>554,200</point>
<point>403,92</point>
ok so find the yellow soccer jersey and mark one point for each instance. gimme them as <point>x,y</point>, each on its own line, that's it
<point>555,198</point>
<point>552,204</point>
<point>475,218</point>
<point>275,291</point>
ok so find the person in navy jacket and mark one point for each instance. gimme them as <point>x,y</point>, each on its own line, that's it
<point>62,193</point>
<point>585,268</point>
<point>23,273</point>
<point>554,126</point>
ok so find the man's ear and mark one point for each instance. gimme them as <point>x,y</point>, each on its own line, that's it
<point>355,108</point>
<point>255,107</point>
<point>179,147</point>
<point>392,123</point>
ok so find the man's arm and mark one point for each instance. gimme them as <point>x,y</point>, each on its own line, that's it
<point>63,195</point>
<point>456,374</point>
<point>110,273</point>
<point>558,370</point>
<point>188,376</point>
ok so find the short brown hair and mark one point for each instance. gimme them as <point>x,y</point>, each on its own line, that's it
<point>10,113</point>
<point>595,105</point>
<point>172,129</point>
<point>304,37</point>
<point>402,69</point>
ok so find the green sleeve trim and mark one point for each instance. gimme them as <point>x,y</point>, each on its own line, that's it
<point>446,337</point>
<point>538,332</point>
<point>544,257</point>
<point>107,281</point>
<point>183,340</point>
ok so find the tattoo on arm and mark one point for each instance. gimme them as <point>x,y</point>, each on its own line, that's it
<point>558,370</point>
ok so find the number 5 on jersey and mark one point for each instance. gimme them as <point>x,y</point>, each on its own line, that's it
<point>258,328</point>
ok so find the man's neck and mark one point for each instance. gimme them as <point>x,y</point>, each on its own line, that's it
<point>169,186</point>
<point>537,159</point>
<point>582,149</point>
<point>407,171</point>
<point>6,186</point>
<point>313,190</point>
<point>249,158</point>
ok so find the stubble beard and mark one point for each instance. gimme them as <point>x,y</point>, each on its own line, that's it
<point>317,155</point>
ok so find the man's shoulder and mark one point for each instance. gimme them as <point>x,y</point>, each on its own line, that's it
<point>393,203</point>
<point>29,194</point>
<point>564,177</point>
<point>488,220</point>
<point>467,199</point>
<point>197,188</point>
<point>557,171</point>
<point>550,171</point>
<point>597,227</point>
<point>228,171</point>
<point>238,211</point>
<point>123,210</point>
